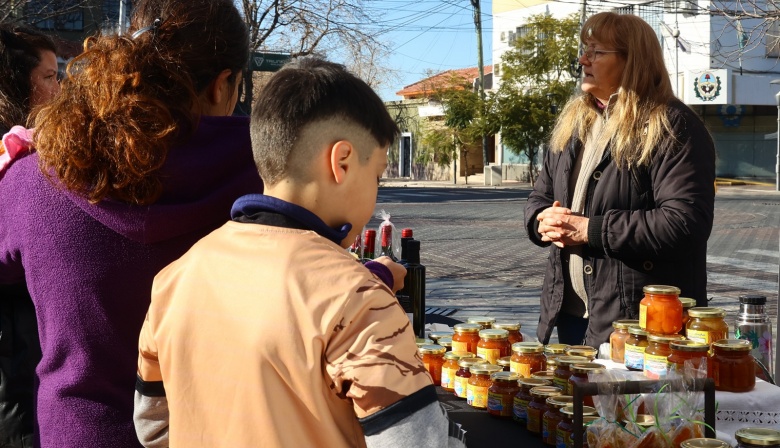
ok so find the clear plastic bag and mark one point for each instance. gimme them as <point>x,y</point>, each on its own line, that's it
<point>395,236</point>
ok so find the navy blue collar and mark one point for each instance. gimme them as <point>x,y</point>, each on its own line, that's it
<point>256,208</point>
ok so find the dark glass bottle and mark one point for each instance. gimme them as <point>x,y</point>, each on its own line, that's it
<point>369,244</point>
<point>414,285</point>
<point>387,243</point>
<point>406,236</point>
<point>356,248</point>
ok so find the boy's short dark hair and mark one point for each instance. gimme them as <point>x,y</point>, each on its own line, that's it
<point>306,91</point>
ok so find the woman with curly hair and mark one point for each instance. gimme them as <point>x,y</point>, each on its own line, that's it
<point>136,160</point>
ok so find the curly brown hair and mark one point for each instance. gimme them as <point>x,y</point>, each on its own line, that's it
<point>127,100</point>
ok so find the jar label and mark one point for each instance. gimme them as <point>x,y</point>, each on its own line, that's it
<point>642,316</point>
<point>460,386</point>
<point>524,370</point>
<point>656,366</point>
<point>635,357</point>
<point>545,429</point>
<point>495,403</point>
<point>519,410</point>
<point>490,355</point>
<point>563,385</point>
<point>707,337</point>
<point>534,420</point>
<point>460,346</point>
<point>477,396</point>
<point>448,378</point>
<point>560,438</point>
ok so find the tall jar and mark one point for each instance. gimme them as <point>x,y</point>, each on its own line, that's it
<point>451,367</point>
<point>479,383</point>
<point>553,351</point>
<point>687,304</point>
<point>523,397</point>
<point>513,328</point>
<point>563,371</point>
<point>731,365</point>
<point>527,358</point>
<point>660,311</point>
<point>466,338</point>
<point>682,351</point>
<point>579,375</point>
<point>757,437</point>
<point>586,351</point>
<point>493,344</point>
<point>707,325</point>
<point>463,374</point>
<point>501,394</point>
<point>617,340</point>
<point>483,321</point>
<point>553,416</point>
<point>433,360</point>
<point>538,406</point>
<point>565,431</point>
<point>635,348</point>
<point>657,353</point>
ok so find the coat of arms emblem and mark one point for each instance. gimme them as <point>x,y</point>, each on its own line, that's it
<point>707,86</point>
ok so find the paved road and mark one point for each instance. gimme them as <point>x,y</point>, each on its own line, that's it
<point>480,261</point>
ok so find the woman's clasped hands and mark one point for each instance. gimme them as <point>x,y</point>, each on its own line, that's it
<point>561,227</point>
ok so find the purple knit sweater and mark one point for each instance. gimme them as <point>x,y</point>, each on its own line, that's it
<point>89,269</point>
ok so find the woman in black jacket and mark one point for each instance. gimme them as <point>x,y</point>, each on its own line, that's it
<point>626,194</point>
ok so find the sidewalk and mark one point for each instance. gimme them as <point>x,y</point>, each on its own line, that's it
<point>473,181</point>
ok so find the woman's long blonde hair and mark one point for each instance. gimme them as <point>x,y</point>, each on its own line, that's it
<point>638,113</point>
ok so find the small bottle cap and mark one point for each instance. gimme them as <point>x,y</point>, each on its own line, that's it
<point>752,299</point>
<point>407,233</point>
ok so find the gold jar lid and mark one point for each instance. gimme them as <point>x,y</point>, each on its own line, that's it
<point>527,347</point>
<point>493,334</point>
<point>467,328</point>
<point>504,361</point>
<point>704,443</point>
<point>689,346</point>
<point>661,289</point>
<point>555,349</point>
<point>543,375</point>
<point>706,312</point>
<point>665,338</point>
<point>623,324</point>
<point>533,382</point>
<point>507,325</point>
<point>637,330</point>
<point>643,420</point>
<point>734,345</point>
<point>545,391</point>
<point>483,321</point>
<point>446,342</point>
<point>504,377</point>
<point>687,302</point>
<point>432,350</point>
<point>436,335</point>
<point>560,401</point>
<point>423,341</point>
<point>567,361</point>
<point>587,411</point>
<point>582,350</point>
<point>468,362</point>
<point>588,367</point>
<point>457,355</point>
<point>484,369</point>
<point>552,361</point>
<point>588,419</point>
<point>758,436</point>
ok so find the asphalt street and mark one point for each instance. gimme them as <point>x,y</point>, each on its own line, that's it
<point>480,262</point>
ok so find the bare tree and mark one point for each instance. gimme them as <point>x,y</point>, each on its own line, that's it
<point>47,13</point>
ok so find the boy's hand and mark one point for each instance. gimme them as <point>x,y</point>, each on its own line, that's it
<point>398,271</point>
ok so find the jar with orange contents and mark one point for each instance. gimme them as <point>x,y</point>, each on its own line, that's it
<point>513,328</point>
<point>586,351</point>
<point>553,416</point>
<point>707,325</point>
<point>523,397</point>
<point>538,406</point>
<point>433,359</point>
<point>617,340</point>
<point>479,383</point>
<point>451,367</point>
<point>579,375</point>
<point>553,351</point>
<point>526,358</point>
<point>493,344</point>
<point>563,371</point>
<point>657,354</point>
<point>660,311</point>
<point>501,394</point>
<point>466,338</point>
<point>682,351</point>
<point>687,304</point>
<point>506,363</point>
<point>485,322</point>
<point>463,374</point>
<point>731,365</point>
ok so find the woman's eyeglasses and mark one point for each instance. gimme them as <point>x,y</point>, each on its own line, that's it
<point>591,54</point>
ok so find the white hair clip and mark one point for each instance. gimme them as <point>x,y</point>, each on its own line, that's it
<point>154,27</point>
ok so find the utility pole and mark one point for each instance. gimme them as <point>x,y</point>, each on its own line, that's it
<point>578,84</point>
<point>478,25</point>
<point>122,17</point>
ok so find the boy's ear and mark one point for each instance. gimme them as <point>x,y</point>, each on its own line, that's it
<point>341,155</point>
<point>219,88</point>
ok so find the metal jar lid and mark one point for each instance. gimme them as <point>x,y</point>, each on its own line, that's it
<point>467,328</point>
<point>734,345</point>
<point>637,330</point>
<point>623,324</point>
<point>446,342</point>
<point>543,375</point>
<point>432,350</point>
<point>533,382</point>
<point>643,420</point>
<point>588,367</point>
<point>555,349</point>
<point>484,321</point>
<point>582,350</point>
<point>752,299</point>
<point>436,335</point>
<point>706,312</point>
<point>661,289</point>
<point>484,369</point>
<point>560,401</point>
<point>504,361</point>
<point>704,443</point>
<point>504,377</point>
<point>423,341</point>
<point>687,302</point>
<point>545,391</point>
<point>587,411</point>
<point>468,362</point>
<point>665,338</point>
<point>567,361</point>
<point>506,325</point>
<point>458,355</point>
<point>689,346</point>
<point>493,334</point>
<point>758,436</point>
<point>527,347</point>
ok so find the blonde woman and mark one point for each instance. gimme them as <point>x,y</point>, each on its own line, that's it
<point>625,197</point>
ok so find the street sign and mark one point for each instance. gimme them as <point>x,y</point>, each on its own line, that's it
<point>267,62</point>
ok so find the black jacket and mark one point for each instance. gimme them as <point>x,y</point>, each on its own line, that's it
<point>20,352</point>
<point>647,226</point>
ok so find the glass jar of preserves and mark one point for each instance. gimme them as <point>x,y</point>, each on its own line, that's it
<point>436,335</point>
<point>506,363</point>
<point>563,372</point>
<point>446,342</point>
<point>553,416</point>
<point>553,351</point>
<point>527,358</point>
<point>544,375</point>
<point>433,359</point>
<point>538,406</point>
<point>464,373</point>
<point>513,328</point>
<point>579,375</point>
<point>704,443</point>
<point>466,338</point>
<point>635,348</point>
<point>450,367</point>
<point>501,394</point>
<point>586,351</point>
<point>707,325</point>
<point>564,433</point>
<point>660,311</point>
<point>687,304</point>
<point>657,353</point>
<point>493,344</point>
<point>757,437</point>
<point>523,397</point>
<point>687,350</point>
<point>731,366</point>
<point>479,383</point>
<point>485,322</point>
<point>617,340</point>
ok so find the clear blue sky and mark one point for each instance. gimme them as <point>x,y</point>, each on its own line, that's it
<point>430,35</point>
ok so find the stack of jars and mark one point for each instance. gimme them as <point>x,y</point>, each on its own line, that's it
<point>660,317</point>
